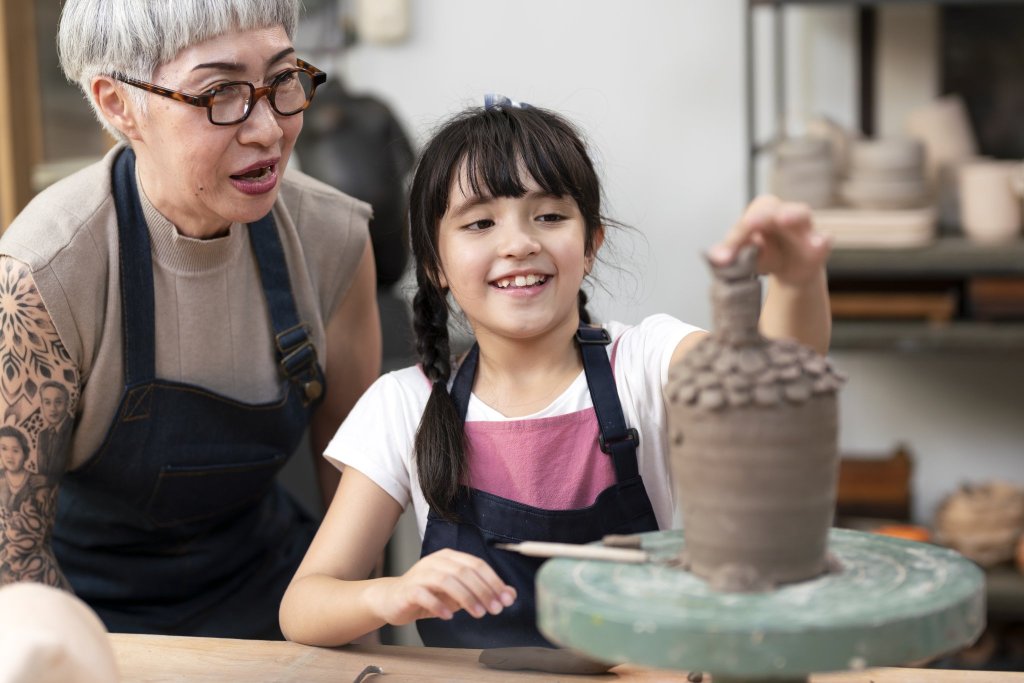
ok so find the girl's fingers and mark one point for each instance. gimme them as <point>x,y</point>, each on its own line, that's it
<point>491,586</point>
<point>432,604</point>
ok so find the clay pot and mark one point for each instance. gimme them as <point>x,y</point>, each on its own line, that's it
<point>753,424</point>
<point>983,522</point>
<point>990,200</point>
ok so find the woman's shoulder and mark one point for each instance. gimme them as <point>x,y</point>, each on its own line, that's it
<point>62,215</point>
<point>303,194</point>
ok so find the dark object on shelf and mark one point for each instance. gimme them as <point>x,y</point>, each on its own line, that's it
<point>980,60</point>
<point>992,298</point>
<point>875,487</point>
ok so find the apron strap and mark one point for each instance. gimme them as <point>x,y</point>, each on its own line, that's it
<point>617,440</point>
<point>296,354</point>
<point>462,387</point>
<point>137,316</point>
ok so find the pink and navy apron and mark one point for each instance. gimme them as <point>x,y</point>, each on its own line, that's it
<point>485,519</point>
<point>176,525</point>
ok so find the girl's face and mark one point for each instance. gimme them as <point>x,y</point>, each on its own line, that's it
<point>514,265</point>
<point>204,177</point>
<point>11,454</point>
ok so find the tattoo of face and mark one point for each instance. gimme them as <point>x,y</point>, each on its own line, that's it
<point>38,392</point>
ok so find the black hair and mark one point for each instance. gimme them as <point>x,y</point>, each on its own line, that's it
<point>8,430</point>
<point>494,146</point>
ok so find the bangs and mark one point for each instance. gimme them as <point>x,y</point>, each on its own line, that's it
<point>539,147</point>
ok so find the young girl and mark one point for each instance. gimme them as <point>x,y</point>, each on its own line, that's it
<point>549,429</point>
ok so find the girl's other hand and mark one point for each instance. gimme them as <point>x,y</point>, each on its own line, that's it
<point>439,585</point>
<point>790,249</point>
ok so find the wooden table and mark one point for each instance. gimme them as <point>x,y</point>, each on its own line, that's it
<point>170,659</point>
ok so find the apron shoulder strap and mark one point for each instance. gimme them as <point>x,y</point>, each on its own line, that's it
<point>138,320</point>
<point>616,439</point>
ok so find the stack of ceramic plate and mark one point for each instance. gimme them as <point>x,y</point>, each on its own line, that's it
<point>804,172</point>
<point>886,174</point>
<point>863,228</point>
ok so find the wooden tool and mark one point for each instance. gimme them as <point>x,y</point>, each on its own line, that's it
<point>579,552</point>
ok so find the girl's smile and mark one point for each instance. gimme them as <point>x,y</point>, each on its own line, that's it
<point>513,264</point>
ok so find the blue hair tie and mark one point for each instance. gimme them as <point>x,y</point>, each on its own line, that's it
<point>496,101</point>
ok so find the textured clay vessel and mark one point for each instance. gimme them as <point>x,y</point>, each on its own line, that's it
<point>754,445</point>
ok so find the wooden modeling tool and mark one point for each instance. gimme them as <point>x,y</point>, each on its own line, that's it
<point>578,552</point>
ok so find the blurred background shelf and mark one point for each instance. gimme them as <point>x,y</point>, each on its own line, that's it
<point>946,257</point>
<point>912,336</point>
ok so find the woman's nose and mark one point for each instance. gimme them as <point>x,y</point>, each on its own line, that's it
<point>262,125</point>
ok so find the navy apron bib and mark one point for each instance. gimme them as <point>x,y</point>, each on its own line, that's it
<point>486,519</point>
<point>176,525</point>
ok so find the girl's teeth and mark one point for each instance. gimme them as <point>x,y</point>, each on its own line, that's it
<point>521,281</point>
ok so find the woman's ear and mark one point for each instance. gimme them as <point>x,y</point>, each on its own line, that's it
<point>116,108</point>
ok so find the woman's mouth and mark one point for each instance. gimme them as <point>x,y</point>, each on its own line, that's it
<point>258,180</point>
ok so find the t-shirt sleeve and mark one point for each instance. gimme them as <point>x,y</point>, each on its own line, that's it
<point>651,344</point>
<point>377,436</point>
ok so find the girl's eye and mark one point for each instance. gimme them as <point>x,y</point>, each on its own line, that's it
<point>481,224</point>
<point>551,218</point>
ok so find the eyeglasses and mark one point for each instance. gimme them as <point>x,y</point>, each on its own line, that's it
<point>226,104</point>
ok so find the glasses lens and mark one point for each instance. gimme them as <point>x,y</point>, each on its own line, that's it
<point>292,92</point>
<point>230,103</point>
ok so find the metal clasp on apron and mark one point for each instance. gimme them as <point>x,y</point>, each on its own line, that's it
<point>631,435</point>
<point>298,361</point>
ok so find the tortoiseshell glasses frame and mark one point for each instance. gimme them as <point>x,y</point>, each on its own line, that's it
<point>233,100</point>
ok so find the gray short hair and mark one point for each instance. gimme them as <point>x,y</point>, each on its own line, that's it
<point>134,37</point>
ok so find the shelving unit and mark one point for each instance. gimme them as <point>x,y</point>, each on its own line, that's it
<point>955,260</point>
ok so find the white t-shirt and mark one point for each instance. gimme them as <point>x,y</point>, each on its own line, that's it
<point>377,437</point>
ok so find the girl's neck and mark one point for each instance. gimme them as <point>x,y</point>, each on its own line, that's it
<point>521,377</point>
<point>16,479</point>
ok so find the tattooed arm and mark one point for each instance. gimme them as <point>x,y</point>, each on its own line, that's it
<point>39,389</point>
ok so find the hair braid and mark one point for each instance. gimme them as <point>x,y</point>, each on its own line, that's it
<point>581,300</point>
<point>440,442</point>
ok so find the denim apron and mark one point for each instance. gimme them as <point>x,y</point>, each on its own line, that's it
<point>486,519</point>
<point>176,525</point>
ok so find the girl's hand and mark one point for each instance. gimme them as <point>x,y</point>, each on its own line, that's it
<point>441,584</point>
<point>790,249</point>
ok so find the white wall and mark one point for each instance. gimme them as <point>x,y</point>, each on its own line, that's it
<point>658,87</point>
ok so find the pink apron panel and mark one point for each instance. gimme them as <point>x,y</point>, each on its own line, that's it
<point>552,463</point>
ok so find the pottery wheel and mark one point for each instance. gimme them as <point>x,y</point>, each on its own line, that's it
<point>892,602</point>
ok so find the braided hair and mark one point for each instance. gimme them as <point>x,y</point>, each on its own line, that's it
<point>492,146</point>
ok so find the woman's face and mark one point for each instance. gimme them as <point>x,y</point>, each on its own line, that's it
<point>11,454</point>
<point>191,170</point>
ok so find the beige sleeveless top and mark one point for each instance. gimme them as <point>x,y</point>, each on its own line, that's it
<point>212,327</point>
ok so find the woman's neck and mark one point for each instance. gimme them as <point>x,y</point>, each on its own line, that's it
<point>161,194</point>
<point>517,377</point>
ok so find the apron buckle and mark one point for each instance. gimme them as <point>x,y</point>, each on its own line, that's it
<point>631,435</point>
<point>593,335</point>
<point>298,361</point>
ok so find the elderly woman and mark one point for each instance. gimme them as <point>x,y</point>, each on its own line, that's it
<point>202,306</point>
